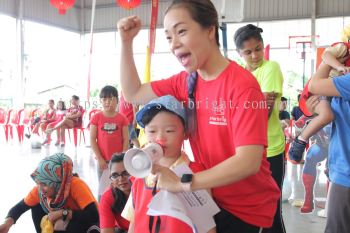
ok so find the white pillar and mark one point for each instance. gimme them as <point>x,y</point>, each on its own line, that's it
<point>18,97</point>
<point>313,35</point>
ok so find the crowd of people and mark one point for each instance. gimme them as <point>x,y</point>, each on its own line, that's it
<point>239,147</point>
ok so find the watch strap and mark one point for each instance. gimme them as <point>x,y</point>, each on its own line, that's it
<point>65,214</point>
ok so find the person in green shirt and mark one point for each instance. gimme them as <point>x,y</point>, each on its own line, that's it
<point>250,46</point>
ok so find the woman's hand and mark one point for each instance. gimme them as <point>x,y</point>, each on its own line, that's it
<point>6,225</point>
<point>128,28</point>
<point>167,179</point>
<point>54,216</point>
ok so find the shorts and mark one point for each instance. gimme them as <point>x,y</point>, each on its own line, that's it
<point>36,120</point>
<point>77,124</point>
<point>338,213</point>
<point>228,223</point>
<point>305,95</point>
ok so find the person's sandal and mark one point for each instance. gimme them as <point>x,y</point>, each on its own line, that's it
<point>296,150</point>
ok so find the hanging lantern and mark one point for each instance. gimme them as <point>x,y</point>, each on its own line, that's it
<point>62,5</point>
<point>129,4</point>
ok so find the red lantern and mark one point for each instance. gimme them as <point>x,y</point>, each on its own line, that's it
<point>62,5</point>
<point>129,4</point>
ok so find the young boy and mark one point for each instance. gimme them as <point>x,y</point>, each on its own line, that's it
<point>108,130</point>
<point>338,57</point>
<point>164,120</point>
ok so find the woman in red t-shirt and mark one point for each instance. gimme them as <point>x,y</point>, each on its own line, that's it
<point>225,104</point>
<point>114,199</point>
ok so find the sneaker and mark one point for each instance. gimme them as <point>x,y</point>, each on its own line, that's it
<point>322,213</point>
<point>57,143</point>
<point>27,135</point>
<point>297,203</point>
<point>296,150</point>
<point>62,144</point>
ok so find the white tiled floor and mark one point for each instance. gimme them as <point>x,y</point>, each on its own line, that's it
<point>17,161</point>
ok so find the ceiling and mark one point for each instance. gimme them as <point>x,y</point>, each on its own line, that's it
<point>105,3</point>
<point>108,12</point>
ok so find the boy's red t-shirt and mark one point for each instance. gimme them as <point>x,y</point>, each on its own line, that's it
<point>231,112</point>
<point>142,196</point>
<point>108,219</point>
<point>109,133</point>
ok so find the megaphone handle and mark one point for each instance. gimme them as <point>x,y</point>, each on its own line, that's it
<point>154,189</point>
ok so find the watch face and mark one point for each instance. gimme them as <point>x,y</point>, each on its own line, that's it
<point>65,212</point>
<point>186,178</point>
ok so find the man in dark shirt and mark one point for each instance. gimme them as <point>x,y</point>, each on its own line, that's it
<point>296,112</point>
<point>283,113</point>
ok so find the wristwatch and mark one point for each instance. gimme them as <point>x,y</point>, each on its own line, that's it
<point>64,214</point>
<point>186,182</point>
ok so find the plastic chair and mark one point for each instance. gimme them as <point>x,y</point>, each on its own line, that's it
<point>75,132</point>
<point>91,114</point>
<point>17,122</point>
<point>3,118</point>
<point>6,122</point>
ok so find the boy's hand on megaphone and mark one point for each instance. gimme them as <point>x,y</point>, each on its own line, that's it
<point>167,179</point>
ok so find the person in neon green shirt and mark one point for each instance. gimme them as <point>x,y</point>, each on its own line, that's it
<point>250,46</point>
<point>270,79</point>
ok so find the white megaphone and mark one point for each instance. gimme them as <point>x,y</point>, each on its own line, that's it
<point>138,162</point>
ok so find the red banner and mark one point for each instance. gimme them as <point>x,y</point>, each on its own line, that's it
<point>153,25</point>
<point>267,52</point>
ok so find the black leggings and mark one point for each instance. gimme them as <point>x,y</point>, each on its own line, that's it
<point>73,226</point>
<point>228,223</point>
<point>277,168</point>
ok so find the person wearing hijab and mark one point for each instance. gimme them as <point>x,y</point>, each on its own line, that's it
<point>64,198</point>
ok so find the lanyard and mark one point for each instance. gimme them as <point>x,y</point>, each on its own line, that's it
<point>151,218</point>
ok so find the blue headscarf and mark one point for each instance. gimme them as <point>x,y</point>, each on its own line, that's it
<point>56,172</point>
